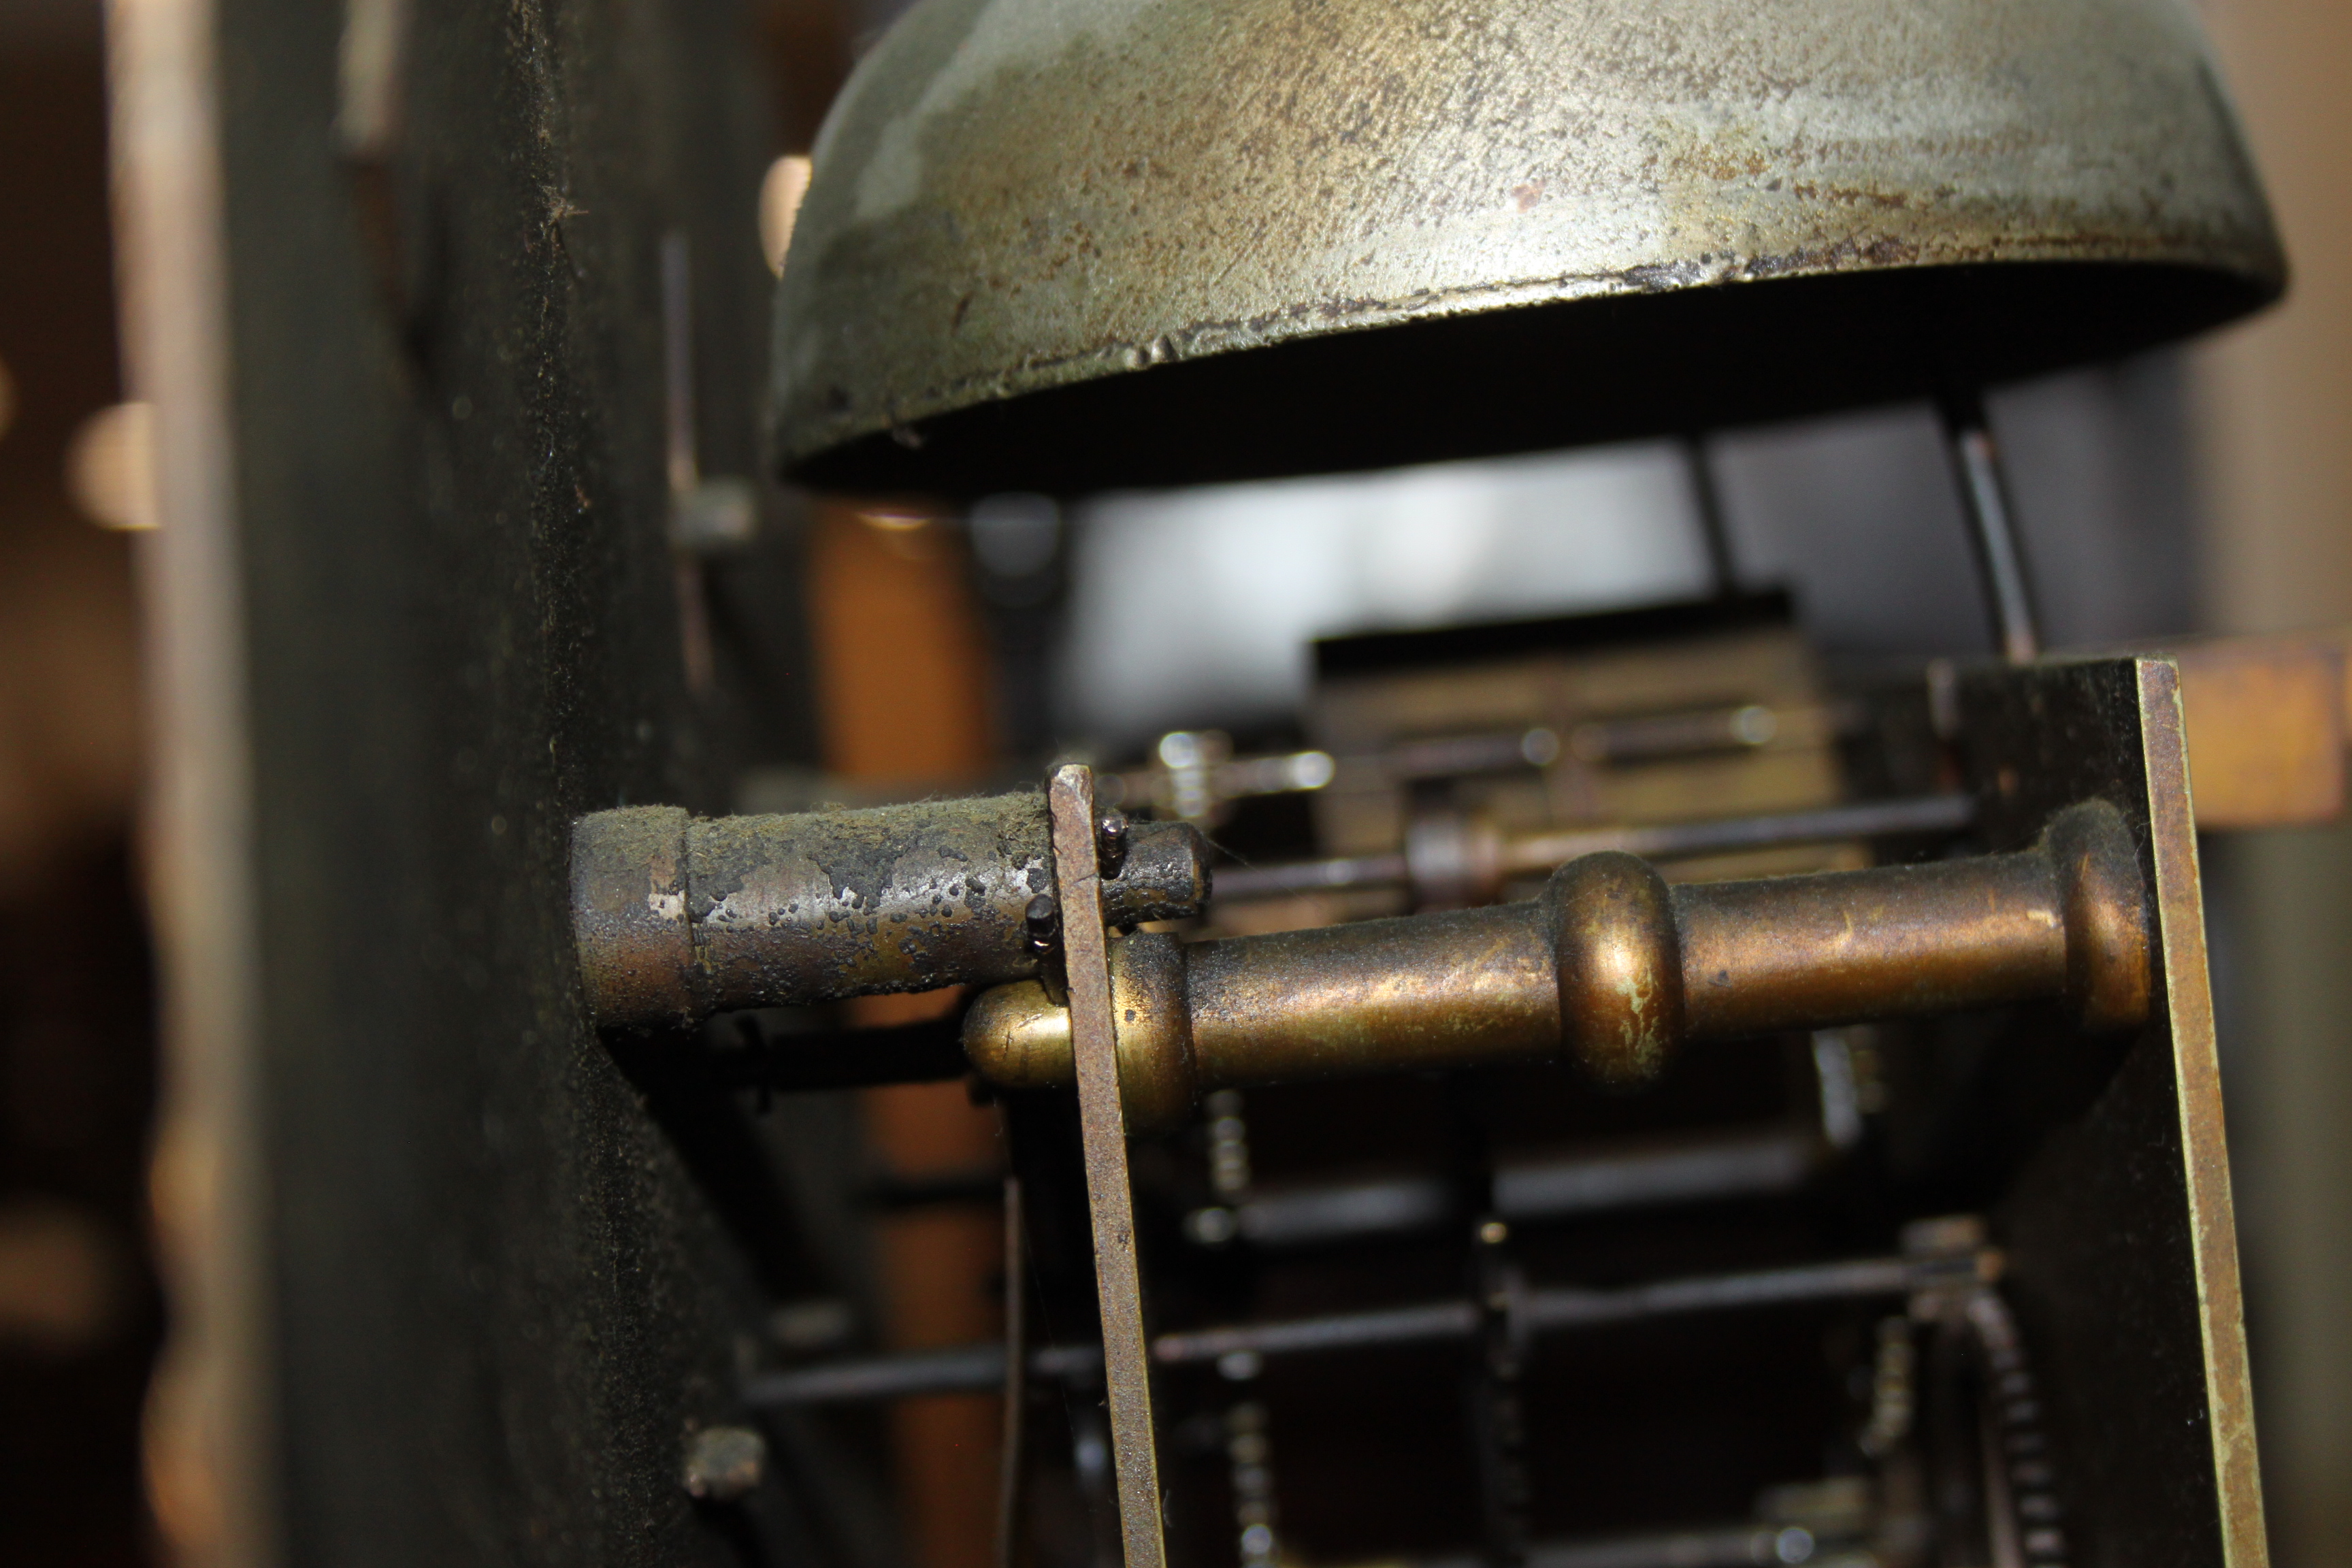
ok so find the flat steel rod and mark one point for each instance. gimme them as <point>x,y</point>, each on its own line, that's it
<point>1550,1309</point>
<point>1992,529</point>
<point>1533,852</point>
<point>1012,1455</point>
<point>1341,872</point>
<point>1714,525</point>
<point>912,1374</point>
<point>1693,1170</point>
<point>1102,1123</point>
<point>1681,840</point>
<point>1343,1331</point>
<point>959,1369</point>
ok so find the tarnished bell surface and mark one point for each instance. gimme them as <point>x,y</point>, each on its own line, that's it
<point>1069,243</point>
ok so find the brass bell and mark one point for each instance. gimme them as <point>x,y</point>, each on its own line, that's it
<point>1058,246</point>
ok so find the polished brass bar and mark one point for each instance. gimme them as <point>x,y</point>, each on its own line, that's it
<point>1612,969</point>
<point>1417,993</point>
<point>1803,951</point>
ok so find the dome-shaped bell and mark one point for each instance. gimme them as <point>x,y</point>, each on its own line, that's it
<point>1062,244</point>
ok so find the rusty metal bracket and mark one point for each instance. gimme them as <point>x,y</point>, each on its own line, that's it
<point>678,916</point>
<point>1102,1122</point>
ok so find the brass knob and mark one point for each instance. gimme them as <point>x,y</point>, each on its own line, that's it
<point>1612,968</point>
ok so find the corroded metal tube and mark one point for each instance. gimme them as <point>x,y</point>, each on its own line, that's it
<point>678,916</point>
<point>1612,968</point>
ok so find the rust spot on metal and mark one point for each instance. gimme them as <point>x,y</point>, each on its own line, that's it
<point>677,917</point>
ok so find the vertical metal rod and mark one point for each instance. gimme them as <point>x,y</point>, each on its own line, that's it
<point>1102,1127</point>
<point>1011,1467</point>
<point>1498,1413</point>
<point>1715,529</point>
<point>1497,1426</point>
<point>1250,1458</point>
<point>685,470</point>
<point>1984,495</point>
<point>677,362</point>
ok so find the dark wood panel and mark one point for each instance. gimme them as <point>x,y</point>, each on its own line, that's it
<point>502,1296</point>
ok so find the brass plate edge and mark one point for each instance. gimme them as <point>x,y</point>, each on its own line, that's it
<point>2180,919</point>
